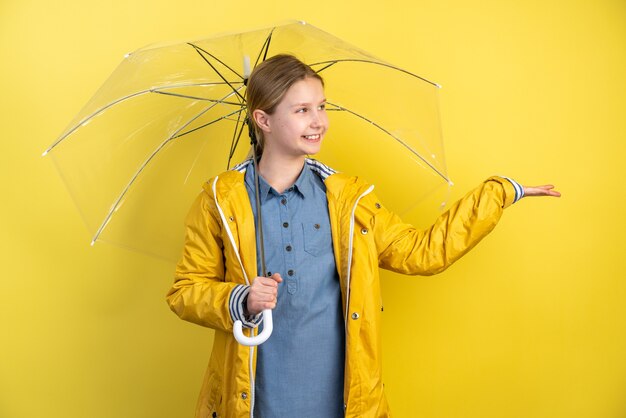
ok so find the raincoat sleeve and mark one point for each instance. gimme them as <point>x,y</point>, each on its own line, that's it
<point>407,250</point>
<point>200,293</point>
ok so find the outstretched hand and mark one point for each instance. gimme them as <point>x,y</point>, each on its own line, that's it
<point>545,190</point>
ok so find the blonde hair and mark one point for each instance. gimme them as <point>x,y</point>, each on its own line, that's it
<point>267,85</point>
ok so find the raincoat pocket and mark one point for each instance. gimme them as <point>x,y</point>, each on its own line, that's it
<point>212,400</point>
<point>215,403</point>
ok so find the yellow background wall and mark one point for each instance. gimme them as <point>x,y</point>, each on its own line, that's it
<point>530,324</point>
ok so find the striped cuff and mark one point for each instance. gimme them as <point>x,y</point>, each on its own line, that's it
<point>238,299</point>
<point>519,190</point>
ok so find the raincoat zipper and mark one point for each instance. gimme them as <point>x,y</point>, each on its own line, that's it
<point>245,276</point>
<point>348,274</point>
<point>350,245</point>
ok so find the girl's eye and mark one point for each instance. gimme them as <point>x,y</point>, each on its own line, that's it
<point>301,110</point>
<point>322,106</point>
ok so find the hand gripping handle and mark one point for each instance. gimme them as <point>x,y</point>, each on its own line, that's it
<point>258,339</point>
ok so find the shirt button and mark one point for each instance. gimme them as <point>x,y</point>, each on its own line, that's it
<point>285,224</point>
<point>288,248</point>
<point>283,201</point>
<point>316,226</point>
<point>377,205</point>
<point>244,395</point>
<point>355,315</point>
<point>290,272</point>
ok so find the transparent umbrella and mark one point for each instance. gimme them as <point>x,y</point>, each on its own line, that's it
<point>173,115</point>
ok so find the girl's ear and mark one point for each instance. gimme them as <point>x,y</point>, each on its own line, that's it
<point>262,120</point>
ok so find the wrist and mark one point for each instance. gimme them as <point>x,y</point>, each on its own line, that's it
<point>244,304</point>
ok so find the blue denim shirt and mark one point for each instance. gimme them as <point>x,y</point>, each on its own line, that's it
<point>300,368</point>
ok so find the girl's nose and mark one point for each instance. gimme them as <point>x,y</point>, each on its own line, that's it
<point>316,119</point>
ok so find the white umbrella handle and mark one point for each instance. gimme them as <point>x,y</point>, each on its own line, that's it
<point>258,339</point>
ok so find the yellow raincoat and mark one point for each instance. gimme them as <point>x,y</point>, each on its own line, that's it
<point>220,253</point>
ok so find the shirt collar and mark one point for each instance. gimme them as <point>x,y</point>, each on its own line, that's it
<point>303,186</point>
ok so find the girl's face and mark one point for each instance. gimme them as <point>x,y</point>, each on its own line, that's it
<point>297,126</point>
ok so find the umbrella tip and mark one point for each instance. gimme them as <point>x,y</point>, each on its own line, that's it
<point>45,153</point>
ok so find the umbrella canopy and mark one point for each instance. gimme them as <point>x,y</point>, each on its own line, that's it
<point>173,115</point>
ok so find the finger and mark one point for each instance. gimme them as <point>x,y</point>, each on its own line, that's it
<point>548,189</point>
<point>262,304</point>
<point>263,298</point>
<point>265,286</point>
<point>265,282</point>
<point>263,301</point>
<point>260,297</point>
<point>543,190</point>
<point>268,305</point>
<point>255,308</point>
<point>277,278</point>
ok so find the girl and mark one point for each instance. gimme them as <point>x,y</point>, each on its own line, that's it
<point>326,234</point>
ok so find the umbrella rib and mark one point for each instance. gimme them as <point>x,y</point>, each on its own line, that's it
<point>267,44</point>
<point>323,68</point>
<point>235,142</point>
<point>265,47</point>
<point>120,100</point>
<point>198,49</point>
<point>186,96</point>
<point>258,57</point>
<point>208,123</point>
<point>149,159</point>
<point>400,141</point>
<point>211,83</point>
<point>393,67</point>
<point>91,116</point>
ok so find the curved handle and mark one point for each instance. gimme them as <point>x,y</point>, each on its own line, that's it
<point>268,327</point>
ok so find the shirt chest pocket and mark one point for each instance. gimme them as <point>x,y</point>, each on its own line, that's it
<point>317,238</point>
